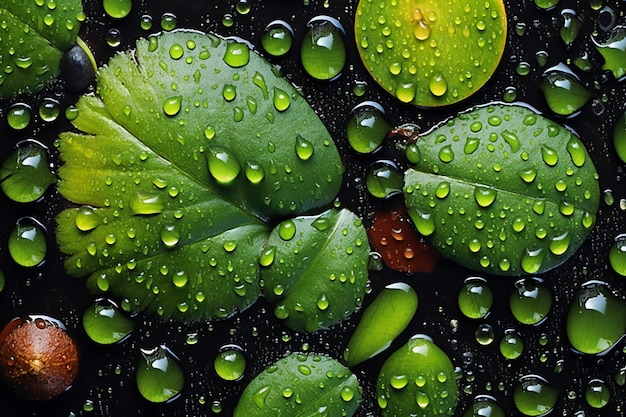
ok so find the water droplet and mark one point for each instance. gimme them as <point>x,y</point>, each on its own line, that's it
<point>533,396</point>
<point>176,51</point>
<point>563,92</point>
<point>446,154</point>
<point>511,345</point>
<point>105,324</point>
<point>323,52</point>
<point>146,203</point>
<point>117,9</point>
<point>596,319</point>
<point>528,175</point>
<point>323,302</point>
<point>597,394</point>
<point>475,298</point>
<point>277,38</point>
<point>27,242</point>
<point>145,22</point>
<point>223,165</point>
<point>421,27</point>
<point>169,22</point>
<point>287,230</point>
<point>267,256</point>
<point>254,172</point>
<point>281,99</point>
<point>304,148</point>
<point>18,116</point>
<point>438,85</point>
<point>530,301</point>
<point>159,376</point>
<point>172,105</point>
<point>170,236</point>
<point>384,180</point>
<point>237,54</point>
<point>549,155</point>
<point>484,334</point>
<point>25,175</point>
<point>367,127</point>
<point>230,363</point>
<point>484,196</point>
<point>571,26</point>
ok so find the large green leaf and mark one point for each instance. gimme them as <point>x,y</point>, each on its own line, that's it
<point>316,269</point>
<point>189,147</point>
<point>301,385</point>
<point>502,190</point>
<point>33,36</point>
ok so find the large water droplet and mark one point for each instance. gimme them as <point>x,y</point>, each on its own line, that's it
<point>159,376</point>
<point>323,52</point>
<point>105,324</point>
<point>596,319</point>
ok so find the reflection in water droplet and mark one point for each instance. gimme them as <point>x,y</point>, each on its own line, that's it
<point>230,363</point>
<point>159,376</point>
<point>277,38</point>
<point>533,396</point>
<point>323,52</point>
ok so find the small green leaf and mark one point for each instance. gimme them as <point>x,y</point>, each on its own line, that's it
<point>523,191</point>
<point>389,314</point>
<point>33,37</point>
<point>417,380</point>
<point>319,270</point>
<point>301,385</point>
<point>179,162</point>
<point>614,51</point>
<point>432,53</point>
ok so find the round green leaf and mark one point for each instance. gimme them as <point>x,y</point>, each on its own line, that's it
<point>502,190</point>
<point>301,385</point>
<point>431,53</point>
<point>33,37</point>
<point>417,380</point>
<point>191,144</point>
<point>318,269</point>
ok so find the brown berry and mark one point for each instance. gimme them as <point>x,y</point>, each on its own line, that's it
<point>38,358</point>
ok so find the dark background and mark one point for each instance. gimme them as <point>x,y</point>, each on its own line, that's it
<point>106,376</point>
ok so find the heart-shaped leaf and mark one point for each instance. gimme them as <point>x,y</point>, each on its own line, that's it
<point>316,269</point>
<point>33,36</point>
<point>190,146</point>
<point>301,385</point>
<point>502,190</point>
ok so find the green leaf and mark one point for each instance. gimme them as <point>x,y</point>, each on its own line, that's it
<point>502,190</point>
<point>33,37</point>
<point>433,53</point>
<point>190,146</point>
<point>301,385</point>
<point>317,271</point>
<point>417,380</point>
<point>375,332</point>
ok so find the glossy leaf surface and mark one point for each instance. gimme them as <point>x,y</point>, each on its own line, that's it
<point>318,273</point>
<point>190,145</point>
<point>417,380</point>
<point>431,53</point>
<point>33,37</point>
<point>301,385</point>
<point>382,321</point>
<point>502,190</point>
